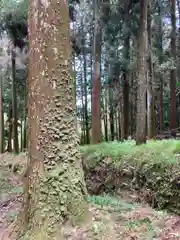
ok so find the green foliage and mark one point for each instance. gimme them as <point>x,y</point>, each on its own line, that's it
<point>115,203</point>
<point>14,21</point>
<point>153,169</point>
<point>154,151</point>
<point>177,149</point>
<point>137,223</point>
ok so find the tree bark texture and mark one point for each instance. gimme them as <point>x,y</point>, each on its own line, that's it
<point>54,183</point>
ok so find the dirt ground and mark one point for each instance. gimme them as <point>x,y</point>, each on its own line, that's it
<point>108,222</point>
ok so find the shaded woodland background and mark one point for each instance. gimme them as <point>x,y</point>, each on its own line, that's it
<point>125,76</point>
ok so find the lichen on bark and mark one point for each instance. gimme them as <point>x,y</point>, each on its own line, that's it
<point>55,189</point>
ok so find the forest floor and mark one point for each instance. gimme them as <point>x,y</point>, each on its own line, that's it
<point>112,218</point>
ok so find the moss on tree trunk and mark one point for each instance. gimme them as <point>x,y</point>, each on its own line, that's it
<point>55,190</point>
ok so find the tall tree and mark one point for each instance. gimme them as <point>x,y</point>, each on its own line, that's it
<point>14,105</point>
<point>10,128</point>
<point>126,88</point>
<point>96,84</point>
<point>141,79</point>
<point>159,40</point>
<point>150,82</point>
<point>54,183</point>
<point>173,71</point>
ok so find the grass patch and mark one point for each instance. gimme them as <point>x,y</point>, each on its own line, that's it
<point>116,204</point>
<point>154,151</point>
<point>153,168</point>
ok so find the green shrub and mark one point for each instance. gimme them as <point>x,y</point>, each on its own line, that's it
<point>153,169</point>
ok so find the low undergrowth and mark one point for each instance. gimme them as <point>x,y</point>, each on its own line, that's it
<point>152,170</point>
<point>112,217</point>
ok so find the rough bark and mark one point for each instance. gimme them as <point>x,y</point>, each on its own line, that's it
<point>141,79</point>
<point>54,184</point>
<point>173,123</point>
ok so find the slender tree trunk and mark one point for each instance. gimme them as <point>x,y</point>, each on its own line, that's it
<point>10,129</point>
<point>87,137</point>
<point>54,186</point>
<point>1,117</point>
<point>178,61</point>
<point>111,112</point>
<point>21,128</point>
<point>133,102</point>
<point>150,95</point>
<point>160,55</point>
<point>173,72</point>
<point>126,89</point>
<point>24,148</point>
<point>14,106</point>
<point>83,133</point>
<point>141,80</point>
<point>126,105</point>
<point>116,124</point>
<point>96,85</point>
<point>105,115</point>
<point>25,134</point>
<point>121,115</point>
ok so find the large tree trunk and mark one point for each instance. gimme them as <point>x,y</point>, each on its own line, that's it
<point>141,80</point>
<point>173,72</point>
<point>54,183</point>
<point>96,84</point>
